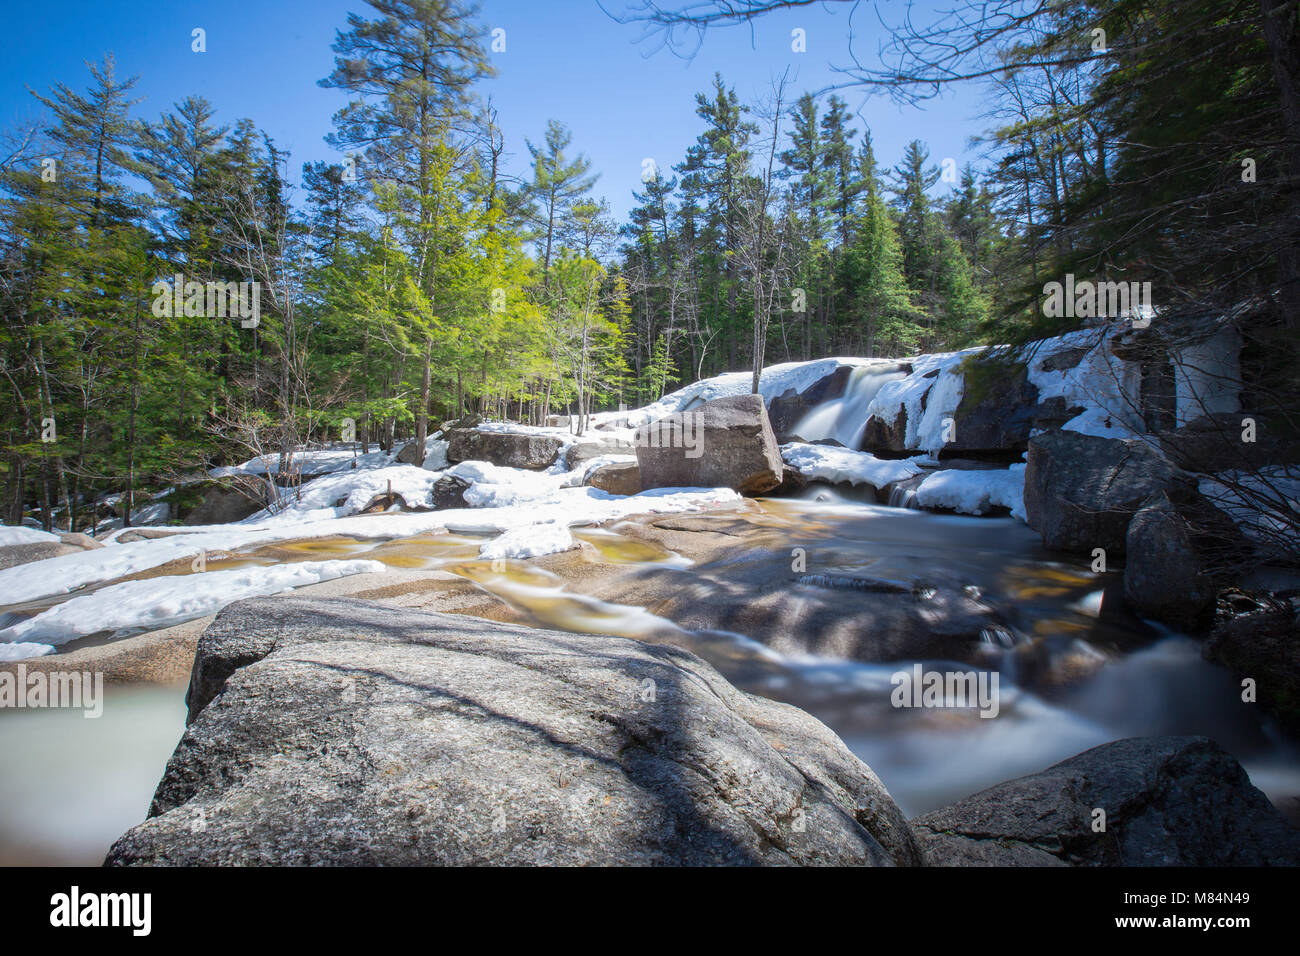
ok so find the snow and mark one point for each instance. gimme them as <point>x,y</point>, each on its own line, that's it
<point>20,650</point>
<point>1207,376</point>
<point>975,492</point>
<point>1264,505</point>
<point>501,499</point>
<point>774,381</point>
<point>933,431</point>
<point>315,461</point>
<point>1107,388</point>
<point>925,427</point>
<point>435,454</point>
<point>495,486</point>
<point>320,498</point>
<point>579,506</point>
<point>832,464</point>
<point>163,601</point>
<point>11,535</point>
<point>529,542</point>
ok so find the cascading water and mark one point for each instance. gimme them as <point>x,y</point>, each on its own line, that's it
<point>845,418</point>
<point>900,497</point>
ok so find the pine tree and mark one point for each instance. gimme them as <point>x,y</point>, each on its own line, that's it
<point>413,69</point>
<point>558,185</point>
<point>881,299</point>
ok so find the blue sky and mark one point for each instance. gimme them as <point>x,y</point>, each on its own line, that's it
<point>624,101</point>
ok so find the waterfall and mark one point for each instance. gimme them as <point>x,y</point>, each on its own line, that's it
<point>845,418</point>
<point>901,497</point>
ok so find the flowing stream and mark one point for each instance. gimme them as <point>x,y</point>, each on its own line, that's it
<point>70,785</point>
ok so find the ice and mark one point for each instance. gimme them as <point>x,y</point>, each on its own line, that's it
<point>1207,376</point>
<point>348,492</point>
<point>1107,388</point>
<point>315,461</point>
<point>1264,504</point>
<point>19,650</point>
<point>925,427</point>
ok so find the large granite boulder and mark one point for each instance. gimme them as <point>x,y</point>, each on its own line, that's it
<point>1217,443</point>
<point>449,492</point>
<point>1167,576</point>
<point>348,732</point>
<point>727,442</point>
<point>410,454</point>
<point>882,437</point>
<point>15,554</point>
<point>1259,638</point>
<point>1168,801</point>
<point>507,449</point>
<point>1081,491</point>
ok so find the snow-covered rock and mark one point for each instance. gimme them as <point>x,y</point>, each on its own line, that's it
<point>974,492</point>
<point>840,465</point>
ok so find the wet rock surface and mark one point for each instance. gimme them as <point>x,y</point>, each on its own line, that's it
<point>1259,639</point>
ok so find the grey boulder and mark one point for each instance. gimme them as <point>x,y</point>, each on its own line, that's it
<point>347,732</point>
<point>1082,490</point>
<point>507,449</point>
<point>617,478</point>
<point>226,502</point>
<point>1167,577</point>
<point>449,492</point>
<point>725,443</point>
<point>1168,801</point>
<point>584,451</point>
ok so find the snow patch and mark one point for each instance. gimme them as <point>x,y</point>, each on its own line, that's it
<point>11,535</point>
<point>832,464</point>
<point>975,492</point>
<point>529,542</point>
<point>161,602</point>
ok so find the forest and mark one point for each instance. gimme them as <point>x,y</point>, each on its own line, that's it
<point>414,281</point>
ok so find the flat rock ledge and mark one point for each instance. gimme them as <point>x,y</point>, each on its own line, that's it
<point>346,732</point>
<point>1168,801</point>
